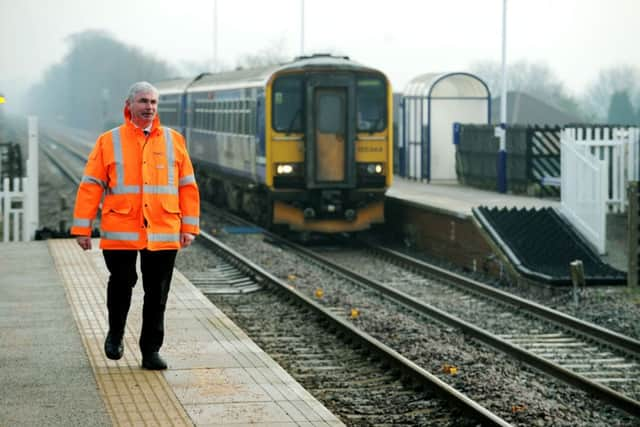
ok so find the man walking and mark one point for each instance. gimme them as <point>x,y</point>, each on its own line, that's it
<point>151,206</point>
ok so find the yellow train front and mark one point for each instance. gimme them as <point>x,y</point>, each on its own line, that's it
<point>306,145</point>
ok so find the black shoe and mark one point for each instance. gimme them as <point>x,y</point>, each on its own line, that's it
<point>113,347</point>
<point>153,361</point>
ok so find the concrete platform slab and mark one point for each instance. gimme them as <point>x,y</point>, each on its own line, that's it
<point>53,371</point>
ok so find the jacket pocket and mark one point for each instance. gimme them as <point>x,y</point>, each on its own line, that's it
<point>171,206</point>
<point>122,207</point>
<point>116,215</point>
<point>171,217</point>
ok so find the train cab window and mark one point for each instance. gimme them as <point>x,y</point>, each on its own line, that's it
<point>372,106</point>
<point>330,114</point>
<point>288,98</point>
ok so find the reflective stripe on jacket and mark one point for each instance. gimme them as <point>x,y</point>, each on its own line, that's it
<point>149,188</point>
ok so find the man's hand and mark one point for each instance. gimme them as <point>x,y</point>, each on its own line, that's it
<point>84,242</point>
<point>186,239</point>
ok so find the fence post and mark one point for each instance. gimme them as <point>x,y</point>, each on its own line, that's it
<point>633,214</point>
<point>577,279</point>
<point>6,205</point>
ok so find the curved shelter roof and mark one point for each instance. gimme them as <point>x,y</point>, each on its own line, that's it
<point>447,85</point>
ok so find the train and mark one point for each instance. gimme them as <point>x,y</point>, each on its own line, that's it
<point>304,146</point>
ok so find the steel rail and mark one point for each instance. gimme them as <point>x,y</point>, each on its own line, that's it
<point>600,391</point>
<point>400,363</point>
<point>581,327</point>
<point>61,165</point>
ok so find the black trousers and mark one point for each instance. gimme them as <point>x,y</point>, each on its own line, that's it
<point>157,269</point>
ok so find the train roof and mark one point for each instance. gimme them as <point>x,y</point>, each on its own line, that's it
<point>178,85</point>
<point>255,77</point>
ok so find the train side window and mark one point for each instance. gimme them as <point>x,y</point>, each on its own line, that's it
<point>287,102</point>
<point>201,115</point>
<point>196,115</point>
<point>207,115</point>
<point>212,115</point>
<point>232,116</point>
<point>227,117</point>
<point>253,106</point>
<point>371,104</point>
<point>216,116</point>
<point>241,116</point>
<point>236,116</point>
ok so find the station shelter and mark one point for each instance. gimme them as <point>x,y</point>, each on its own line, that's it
<point>430,106</point>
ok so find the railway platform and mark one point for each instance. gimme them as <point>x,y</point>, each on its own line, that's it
<point>53,370</point>
<point>439,219</point>
<point>458,200</point>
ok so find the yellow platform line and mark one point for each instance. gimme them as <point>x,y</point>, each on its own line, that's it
<point>132,396</point>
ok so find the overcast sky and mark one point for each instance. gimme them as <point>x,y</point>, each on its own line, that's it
<point>404,38</point>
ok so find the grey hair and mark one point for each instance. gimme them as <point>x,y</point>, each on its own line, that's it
<point>138,87</point>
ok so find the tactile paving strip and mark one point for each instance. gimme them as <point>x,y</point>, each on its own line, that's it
<point>217,375</point>
<point>132,396</point>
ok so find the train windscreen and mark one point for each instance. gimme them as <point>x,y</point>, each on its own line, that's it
<point>371,104</point>
<point>288,98</point>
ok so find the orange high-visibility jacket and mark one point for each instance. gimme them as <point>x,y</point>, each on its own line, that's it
<point>150,191</point>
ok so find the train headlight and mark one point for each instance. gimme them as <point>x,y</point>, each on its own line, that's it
<point>288,169</point>
<point>374,168</point>
<point>284,169</point>
<point>371,175</point>
<point>288,175</point>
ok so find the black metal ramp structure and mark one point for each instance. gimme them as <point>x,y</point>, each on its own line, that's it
<point>541,244</point>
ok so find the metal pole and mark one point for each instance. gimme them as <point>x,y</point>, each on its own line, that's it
<point>301,27</point>
<point>214,65</point>
<point>501,131</point>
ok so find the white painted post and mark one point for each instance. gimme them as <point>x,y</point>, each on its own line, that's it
<point>18,199</point>
<point>6,205</point>
<point>32,202</point>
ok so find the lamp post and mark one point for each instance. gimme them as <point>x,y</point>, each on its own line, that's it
<point>501,130</point>
<point>214,64</point>
<point>301,27</point>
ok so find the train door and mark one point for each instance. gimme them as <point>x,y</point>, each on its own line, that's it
<point>330,133</point>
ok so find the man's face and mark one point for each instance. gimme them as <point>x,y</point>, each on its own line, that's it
<point>143,108</point>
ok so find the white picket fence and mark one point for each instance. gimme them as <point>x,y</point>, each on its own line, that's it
<point>14,222</point>
<point>597,165</point>
<point>19,197</point>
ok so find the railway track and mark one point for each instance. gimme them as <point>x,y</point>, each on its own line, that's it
<point>374,383</point>
<point>600,362</point>
<point>484,375</point>
<point>585,355</point>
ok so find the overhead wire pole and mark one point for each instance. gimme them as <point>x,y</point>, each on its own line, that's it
<point>214,64</point>
<point>301,27</point>
<point>501,130</point>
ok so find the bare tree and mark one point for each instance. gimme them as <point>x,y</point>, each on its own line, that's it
<point>270,55</point>
<point>87,88</point>
<point>535,79</point>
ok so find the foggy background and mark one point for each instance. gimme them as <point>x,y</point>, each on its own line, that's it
<point>74,60</point>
